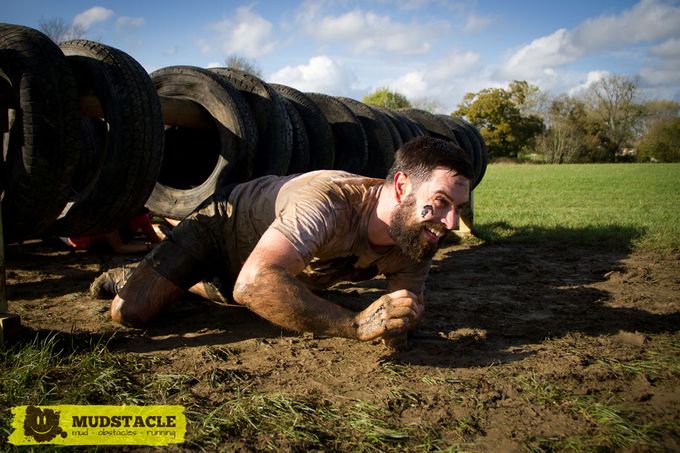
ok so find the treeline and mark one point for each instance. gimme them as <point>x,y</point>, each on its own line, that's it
<point>607,122</point>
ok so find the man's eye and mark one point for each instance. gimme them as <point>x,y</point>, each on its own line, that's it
<point>441,203</point>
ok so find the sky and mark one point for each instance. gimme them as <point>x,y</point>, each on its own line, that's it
<point>428,50</point>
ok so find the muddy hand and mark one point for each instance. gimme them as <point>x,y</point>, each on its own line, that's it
<point>392,313</point>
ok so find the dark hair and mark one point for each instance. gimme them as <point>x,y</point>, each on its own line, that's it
<point>418,157</point>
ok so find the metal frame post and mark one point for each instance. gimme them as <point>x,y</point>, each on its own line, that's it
<point>9,322</point>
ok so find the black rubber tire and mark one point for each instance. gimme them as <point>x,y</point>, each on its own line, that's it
<point>133,140</point>
<point>408,130</point>
<point>474,140</point>
<point>390,122</point>
<point>228,158</point>
<point>380,145</point>
<point>416,129</point>
<point>275,133</point>
<point>92,155</point>
<point>43,145</point>
<point>430,122</point>
<point>466,144</point>
<point>351,145</point>
<point>319,133</point>
<point>299,159</point>
<point>484,153</point>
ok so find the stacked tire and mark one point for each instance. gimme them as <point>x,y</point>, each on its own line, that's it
<point>64,173</point>
<point>90,139</point>
<point>294,132</point>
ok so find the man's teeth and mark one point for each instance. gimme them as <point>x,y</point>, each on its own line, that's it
<point>437,233</point>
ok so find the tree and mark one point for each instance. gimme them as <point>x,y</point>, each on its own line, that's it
<point>611,103</point>
<point>244,64</point>
<point>657,110</point>
<point>428,104</point>
<point>384,97</point>
<point>563,140</point>
<point>497,112</point>
<point>59,31</point>
<point>662,142</point>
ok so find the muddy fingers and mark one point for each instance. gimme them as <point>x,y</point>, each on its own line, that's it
<point>391,313</point>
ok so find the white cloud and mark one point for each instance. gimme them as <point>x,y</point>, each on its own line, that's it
<point>365,32</point>
<point>203,45</point>
<point>413,5</point>
<point>124,22</point>
<point>248,34</point>
<point>455,64</point>
<point>310,10</point>
<point>668,49</point>
<point>647,21</point>
<point>545,52</point>
<point>446,79</point>
<point>322,74</point>
<point>215,64</point>
<point>171,51</point>
<point>410,5</point>
<point>663,68</point>
<point>91,16</point>
<point>591,78</point>
<point>412,85</point>
<point>476,23</point>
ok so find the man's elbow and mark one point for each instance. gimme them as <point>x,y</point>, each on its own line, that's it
<point>243,292</point>
<point>262,284</point>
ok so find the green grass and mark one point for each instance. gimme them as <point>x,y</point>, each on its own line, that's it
<point>611,428</point>
<point>620,205</point>
<point>625,205</point>
<point>63,369</point>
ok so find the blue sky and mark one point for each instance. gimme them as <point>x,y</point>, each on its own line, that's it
<point>425,49</point>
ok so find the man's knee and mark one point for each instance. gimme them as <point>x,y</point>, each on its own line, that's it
<point>145,295</point>
<point>128,313</point>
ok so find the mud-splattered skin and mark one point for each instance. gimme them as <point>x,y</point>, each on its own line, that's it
<point>282,299</point>
<point>426,209</point>
<point>390,314</point>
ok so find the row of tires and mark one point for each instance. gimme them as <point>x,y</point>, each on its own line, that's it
<point>90,138</point>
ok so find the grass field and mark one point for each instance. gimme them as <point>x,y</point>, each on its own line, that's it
<point>627,208</point>
<point>599,205</point>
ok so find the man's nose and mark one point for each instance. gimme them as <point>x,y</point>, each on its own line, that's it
<point>451,218</point>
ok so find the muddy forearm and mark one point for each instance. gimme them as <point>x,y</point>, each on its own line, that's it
<point>282,299</point>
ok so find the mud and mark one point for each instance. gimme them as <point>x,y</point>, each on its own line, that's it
<point>512,337</point>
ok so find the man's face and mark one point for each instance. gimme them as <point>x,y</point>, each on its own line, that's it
<point>423,216</point>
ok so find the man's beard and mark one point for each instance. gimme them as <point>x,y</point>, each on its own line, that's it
<point>407,232</point>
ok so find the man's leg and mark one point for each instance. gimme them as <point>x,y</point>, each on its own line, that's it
<point>143,297</point>
<point>189,254</point>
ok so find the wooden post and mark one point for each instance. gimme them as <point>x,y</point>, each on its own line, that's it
<point>9,322</point>
<point>466,219</point>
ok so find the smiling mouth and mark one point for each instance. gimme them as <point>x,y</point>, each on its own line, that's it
<point>433,233</point>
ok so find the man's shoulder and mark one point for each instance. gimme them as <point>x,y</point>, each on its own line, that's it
<point>334,180</point>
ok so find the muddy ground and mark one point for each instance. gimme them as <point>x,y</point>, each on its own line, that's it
<point>522,347</point>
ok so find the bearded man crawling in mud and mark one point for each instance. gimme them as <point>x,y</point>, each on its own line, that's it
<point>278,238</point>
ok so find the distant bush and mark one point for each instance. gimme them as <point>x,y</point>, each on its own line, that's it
<point>661,143</point>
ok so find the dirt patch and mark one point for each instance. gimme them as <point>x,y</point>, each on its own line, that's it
<point>522,346</point>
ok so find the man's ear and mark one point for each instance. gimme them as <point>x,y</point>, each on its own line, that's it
<point>402,186</point>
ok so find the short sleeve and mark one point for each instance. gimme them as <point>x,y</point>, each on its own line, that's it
<point>307,223</point>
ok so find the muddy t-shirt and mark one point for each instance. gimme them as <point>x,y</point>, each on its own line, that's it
<point>324,214</point>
